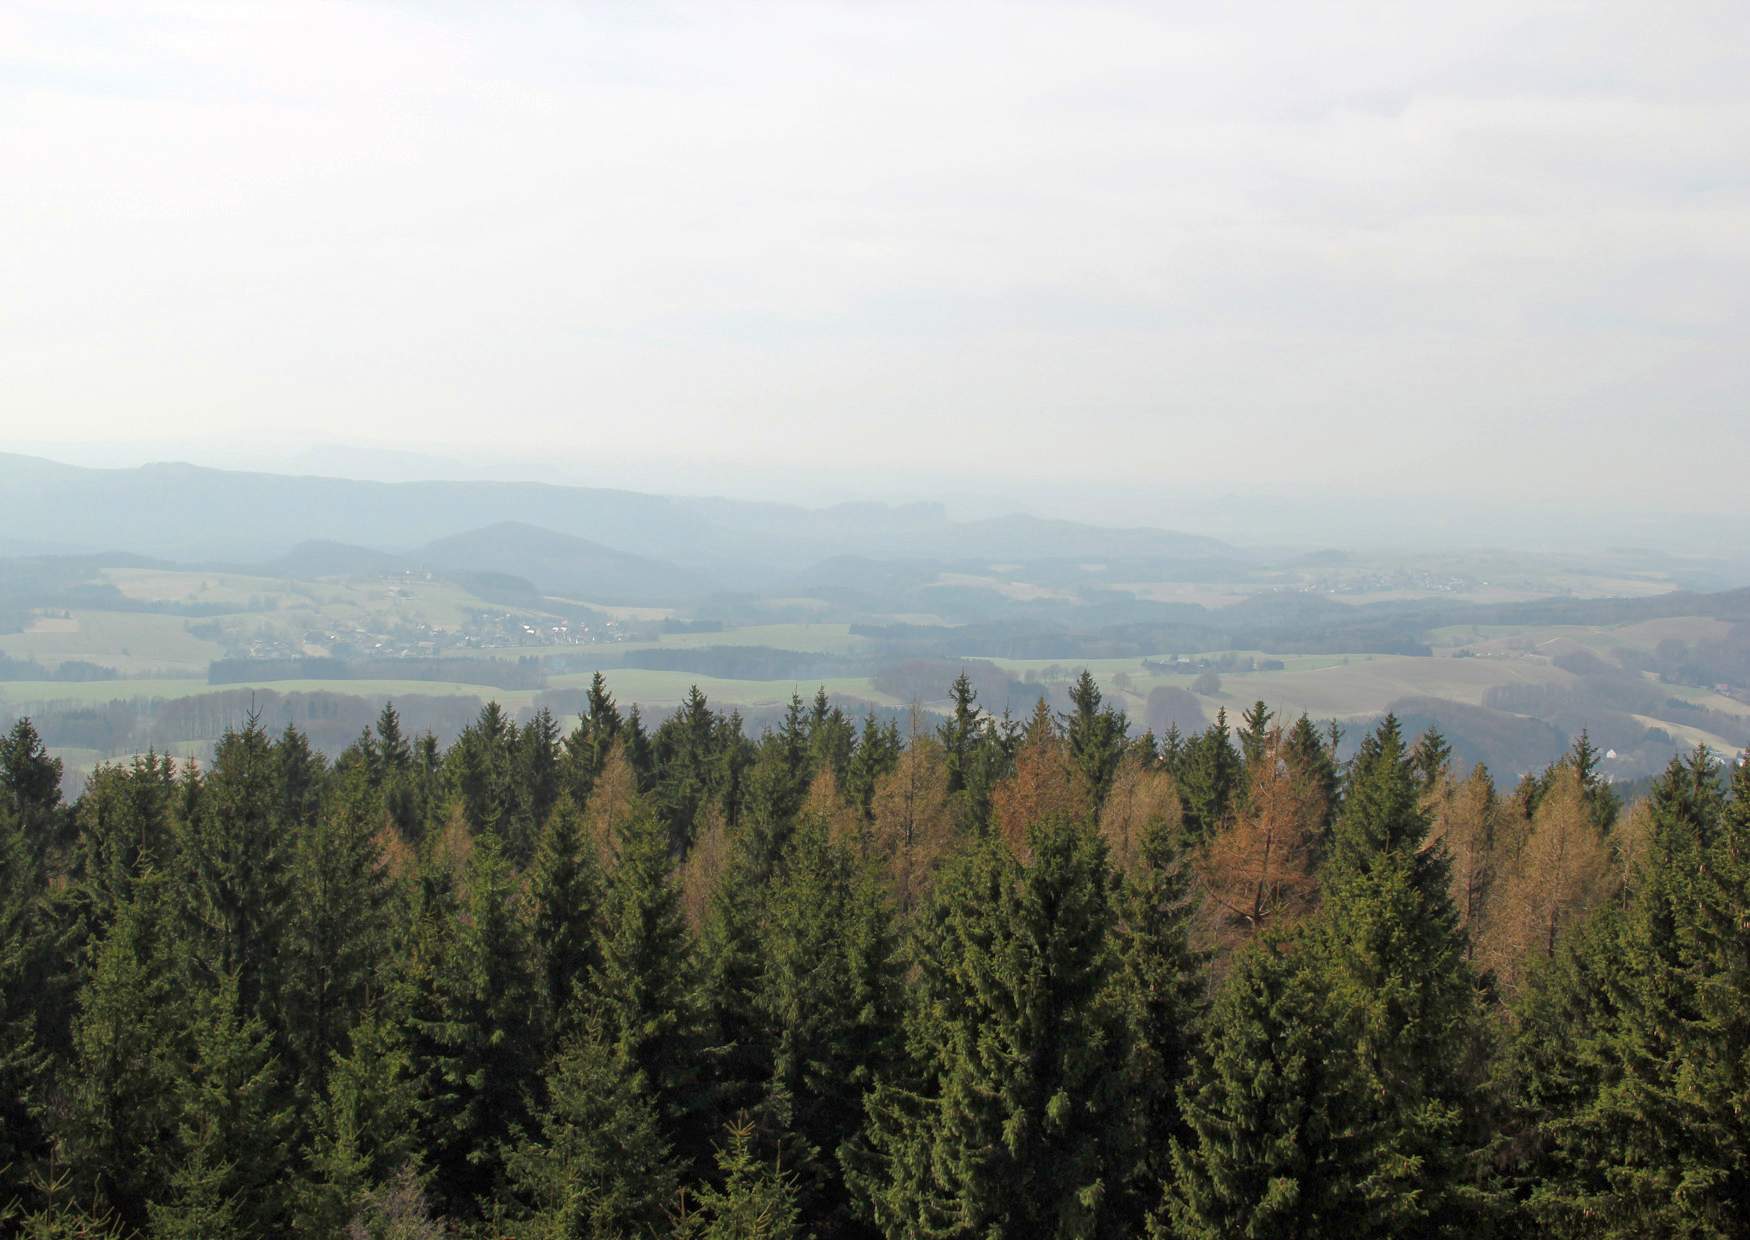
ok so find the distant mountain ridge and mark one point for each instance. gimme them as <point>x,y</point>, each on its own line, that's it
<point>193,513</point>
<point>562,564</point>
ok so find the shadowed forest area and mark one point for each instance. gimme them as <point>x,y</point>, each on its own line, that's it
<point>996,976</point>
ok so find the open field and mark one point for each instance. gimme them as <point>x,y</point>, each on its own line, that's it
<point>669,689</point>
<point>1323,686</point>
<point>649,688</point>
<point>802,638</point>
<point>1102,668</point>
<point>129,641</point>
<point>27,693</point>
<point>1367,686</point>
<point>190,618</point>
<point>1644,636</point>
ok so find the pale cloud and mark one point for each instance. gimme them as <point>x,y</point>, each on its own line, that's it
<point>1407,248</point>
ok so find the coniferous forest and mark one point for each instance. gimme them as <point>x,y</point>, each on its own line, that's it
<point>1001,977</point>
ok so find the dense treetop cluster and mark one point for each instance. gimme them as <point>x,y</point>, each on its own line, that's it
<point>1000,978</point>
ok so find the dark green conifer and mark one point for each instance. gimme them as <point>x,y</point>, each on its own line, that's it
<point>479,1033</point>
<point>230,1153</point>
<point>1653,1141</point>
<point>237,851</point>
<point>124,828</point>
<point>30,790</point>
<point>1254,734</point>
<point>117,1123</point>
<point>301,772</point>
<point>831,739</point>
<point>23,1059</point>
<point>876,754</point>
<point>1281,1137</point>
<point>1209,779</point>
<point>1017,1124</point>
<point>1159,987</point>
<point>829,1005</point>
<point>596,1166</point>
<point>338,945</point>
<point>1389,935</point>
<point>1431,758</point>
<point>365,1128</point>
<point>1314,761</point>
<point>1097,736</point>
<point>758,1199</point>
<point>647,987</point>
<point>732,963</point>
<point>481,768</point>
<point>565,882</point>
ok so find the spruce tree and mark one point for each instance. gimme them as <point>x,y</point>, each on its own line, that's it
<point>1389,935</point>
<point>829,1007</point>
<point>732,962</point>
<point>1606,805</point>
<point>1281,1139</point>
<point>236,849</point>
<point>596,1166</point>
<point>1431,759</point>
<point>1017,1124</point>
<point>23,1060</point>
<point>758,1200</point>
<point>117,1124</point>
<point>1096,736</point>
<point>1254,732</point>
<point>393,776</point>
<point>1158,986</point>
<point>479,1032</point>
<point>1209,779</point>
<point>585,751</point>
<point>831,739</point>
<point>124,828</point>
<point>232,1131</point>
<point>877,753</point>
<point>301,773</point>
<point>1554,1061</point>
<point>30,790</point>
<point>647,988</point>
<point>337,942</point>
<point>481,768</point>
<point>1656,1146</point>
<point>1312,760</point>
<point>773,792</point>
<point>365,1129</point>
<point>565,882</point>
<point>960,733</point>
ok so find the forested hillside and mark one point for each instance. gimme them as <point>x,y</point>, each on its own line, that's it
<point>996,976</point>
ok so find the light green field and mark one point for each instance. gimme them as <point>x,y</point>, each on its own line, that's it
<point>808,638</point>
<point>660,688</point>
<point>24,693</point>
<point>1103,668</point>
<point>135,642</point>
<point>1600,639</point>
<point>1324,686</point>
<point>649,688</point>
<point>235,590</point>
<point>1707,699</point>
<point>804,638</point>
<point>129,641</point>
<point>1689,736</point>
<point>1367,687</point>
<point>18,693</point>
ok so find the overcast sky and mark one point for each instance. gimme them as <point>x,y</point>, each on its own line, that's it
<point>1480,249</point>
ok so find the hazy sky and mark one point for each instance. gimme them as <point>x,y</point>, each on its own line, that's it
<point>1480,249</point>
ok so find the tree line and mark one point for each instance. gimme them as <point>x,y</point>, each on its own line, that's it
<point>1001,977</point>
